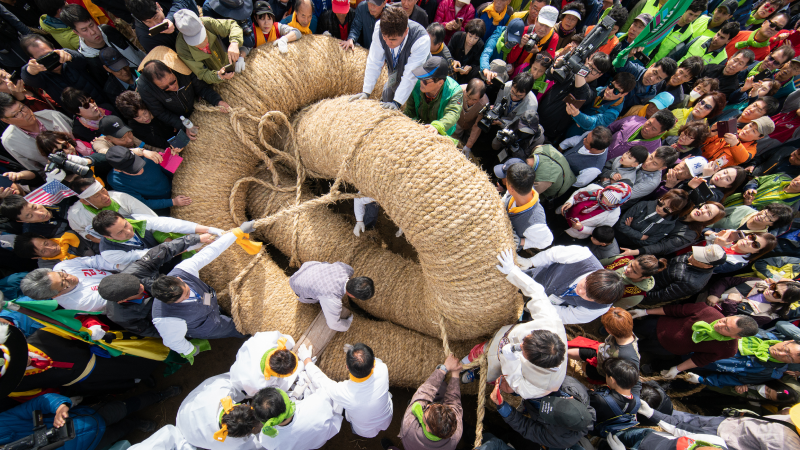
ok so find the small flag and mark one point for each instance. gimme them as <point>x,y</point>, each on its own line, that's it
<point>50,194</point>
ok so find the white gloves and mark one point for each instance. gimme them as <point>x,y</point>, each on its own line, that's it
<point>283,44</point>
<point>671,373</point>
<point>399,233</point>
<point>693,378</point>
<point>247,227</point>
<point>304,352</point>
<point>55,175</point>
<point>524,263</point>
<point>637,313</point>
<point>390,106</point>
<point>506,259</point>
<point>667,427</point>
<point>361,96</point>
<point>215,231</point>
<point>614,442</point>
<point>97,332</point>
<point>466,151</point>
<point>359,228</point>
<point>79,160</point>
<point>645,409</point>
<point>239,67</point>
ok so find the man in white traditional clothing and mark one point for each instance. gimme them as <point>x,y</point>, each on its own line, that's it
<point>288,425</point>
<point>208,417</point>
<point>267,360</point>
<point>167,438</point>
<point>532,355</point>
<point>365,396</point>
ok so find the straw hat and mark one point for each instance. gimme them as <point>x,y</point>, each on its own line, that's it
<point>168,57</point>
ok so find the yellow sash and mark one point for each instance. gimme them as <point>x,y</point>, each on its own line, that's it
<point>243,239</point>
<point>66,241</point>
<point>361,380</point>
<point>494,15</point>
<point>295,24</point>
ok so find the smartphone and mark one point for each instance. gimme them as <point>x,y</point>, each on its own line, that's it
<point>460,20</point>
<point>180,140</point>
<point>738,235</point>
<point>571,100</point>
<point>5,182</point>
<point>229,68</point>
<point>50,61</point>
<point>158,28</point>
<point>728,126</point>
<point>644,59</point>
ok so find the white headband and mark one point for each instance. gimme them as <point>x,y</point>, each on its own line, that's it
<point>91,190</point>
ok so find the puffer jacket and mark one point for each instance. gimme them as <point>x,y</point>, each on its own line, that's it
<point>16,423</point>
<point>679,237</point>
<point>646,222</point>
<point>169,106</point>
<point>678,281</point>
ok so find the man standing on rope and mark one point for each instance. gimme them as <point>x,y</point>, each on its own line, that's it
<point>328,285</point>
<point>404,45</point>
<point>530,356</point>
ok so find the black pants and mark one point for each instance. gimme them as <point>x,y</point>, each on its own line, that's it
<point>115,411</point>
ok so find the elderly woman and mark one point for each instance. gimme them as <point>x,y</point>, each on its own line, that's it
<point>690,138</point>
<point>774,215</point>
<point>709,105</point>
<point>764,300</point>
<point>742,248</point>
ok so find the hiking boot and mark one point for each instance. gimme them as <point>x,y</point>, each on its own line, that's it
<point>468,376</point>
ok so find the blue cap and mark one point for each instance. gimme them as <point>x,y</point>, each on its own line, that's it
<point>501,169</point>
<point>662,100</point>
<point>514,31</point>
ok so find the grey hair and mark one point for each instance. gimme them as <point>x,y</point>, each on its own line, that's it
<point>37,285</point>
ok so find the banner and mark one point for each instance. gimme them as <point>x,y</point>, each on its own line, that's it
<point>652,35</point>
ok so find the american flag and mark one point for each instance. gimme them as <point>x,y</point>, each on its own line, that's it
<point>50,194</point>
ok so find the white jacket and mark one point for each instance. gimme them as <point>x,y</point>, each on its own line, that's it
<point>246,374</point>
<point>313,424</point>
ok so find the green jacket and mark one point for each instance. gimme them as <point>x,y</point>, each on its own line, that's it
<point>443,112</point>
<point>60,32</point>
<point>205,65</point>
<point>642,7</point>
<point>672,40</point>
<point>551,166</point>
<point>699,48</point>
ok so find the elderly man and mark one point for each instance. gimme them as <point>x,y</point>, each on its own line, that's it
<point>532,13</point>
<point>200,46</point>
<point>49,221</point>
<point>756,41</point>
<point>365,396</point>
<point>303,17</point>
<point>467,129</point>
<point>636,130</point>
<point>507,43</point>
<point>404,45</point>
<point>171,94</point>
<point>728,73</point>
<point>19,138</point>
<point>328,284</point>
<point>93,198</point>
<point>436,99</point>
<point>769,67</point>
<point>363,26</point>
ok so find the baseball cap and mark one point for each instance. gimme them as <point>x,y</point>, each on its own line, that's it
<point>564,413</point>
<point>765,125</point>
<point>190,26</point>
<point>710,254</point>
<point>729,5</point>
<point>262,7</point>
<point>119,286</point>
<point>501,169</point>
<point>112,58</point>
<point>529,122</point>
<point>695,165</point>
<point>434,67</point>
<point>514,31</point>
<point>124,160</point>
<point>662,100</point>
<point>340,6</point>
<point>113,126</point>
<point>548,16</point>
<point>644,18</point>
<point>572,12</point>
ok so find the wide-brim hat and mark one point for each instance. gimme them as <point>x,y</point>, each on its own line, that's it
<point>168,57</point>
<point>232,9</point>
<point>15,353</point>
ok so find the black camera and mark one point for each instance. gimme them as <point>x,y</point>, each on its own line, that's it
<point>506,137</point>
<point>490,114</point>
<point>42,438</point>
<point>247,27</point>
<point>573,62</point>
<point>533,42</point>
<point>58,160</point>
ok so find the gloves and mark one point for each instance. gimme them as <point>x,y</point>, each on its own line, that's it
<point>190,356</point>
<point>506,259</point>
<point>524,263</point>
<point>327,33</point>
<point>667,427</point>
<point>55,175</point>
<point>282,44</point>
<point>694,378</point>
<point>509,352</point>
<point>390,105</point>
<point>614,443</point>
<point>637,313</point>
<point>361,96</point>
<point>359,228</point>
<point>466,151</point>
<point>304,352</point>
<point>215,231</point>
<point>399,233</point>
<point>645,410</point>
<point>247,227</point>
<point>671,373</point>
<point>239,67</point>
<point>97,332</point>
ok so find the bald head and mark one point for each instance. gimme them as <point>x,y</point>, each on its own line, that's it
<point>304,11</point>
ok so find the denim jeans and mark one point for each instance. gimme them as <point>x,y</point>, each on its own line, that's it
<point>788,330</point>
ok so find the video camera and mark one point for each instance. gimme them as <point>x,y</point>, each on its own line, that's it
<point>490,114</point>
<point>517,136</point>
<point>573,62</point>
<point>60,160</point>
<point>42,438</point>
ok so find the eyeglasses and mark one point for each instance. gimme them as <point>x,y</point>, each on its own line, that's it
<point>593,70</point>
<point>614,89</point>
<point>705,105</point>
<point>64,280</point>
<point>543,59</point>
<point>426,81</point>
<point>22,110</point>
<point>88,103</point>
<point>774,25</point>
<point>666,209</point>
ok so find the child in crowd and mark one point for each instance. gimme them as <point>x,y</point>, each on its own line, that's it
<point>624,167</point>
<point>603,244</point>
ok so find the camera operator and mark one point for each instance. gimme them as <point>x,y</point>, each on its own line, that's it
<point>517,139</point>
<point>237,11</point>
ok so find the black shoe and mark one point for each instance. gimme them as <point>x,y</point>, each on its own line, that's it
<point>149,382</point>
<point>145,426</point>
<point>170,392</point>
<point>386,443</point>
<point>647,370</point>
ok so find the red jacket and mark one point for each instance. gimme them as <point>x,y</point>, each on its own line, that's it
<point>674,333</point>
<point>447,13</point>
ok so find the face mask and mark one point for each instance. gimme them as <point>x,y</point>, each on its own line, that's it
<point>762,390</point>
<point>694,95</point>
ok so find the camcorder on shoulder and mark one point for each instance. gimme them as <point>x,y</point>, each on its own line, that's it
<point>490,114</point>
<point>42,437</point>
<point>574,62</point>
<point>60,160</point>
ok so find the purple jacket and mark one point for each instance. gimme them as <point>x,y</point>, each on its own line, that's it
<point>623,129</point>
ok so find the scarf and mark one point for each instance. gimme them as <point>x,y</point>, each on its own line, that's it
<point>227,406</point>
<point>94,124</point>
<point>438,50</point>
<point>267,370</point>
<point>687,443</point>
<point>83,149</point>
<point>703,331</point>
<point>751,42</point>
<point>269,426</point>
<point>525,207</point>
<point>261,39</point>
<point>114,206</point>
<point>243,239</point>
<point>540,85</point>
<point>66,241</point>
<point>753,346</point>
<point>494,15</point>
<point>752,20</point>
<point>615,194</point>
<point>91,52</point>
<point>305,30</point>
<point>361,380</point>
<point>416,410</point>
<point>638,135</point>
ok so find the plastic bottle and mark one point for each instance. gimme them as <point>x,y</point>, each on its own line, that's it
<point>187,123</point>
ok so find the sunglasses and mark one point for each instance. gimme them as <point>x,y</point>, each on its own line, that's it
<point>774,289</point>
<point>614,89</point>
<point>88,103</point>
<point>543,59</point>
<point>706,105</point>
<point>774,25</point>
<point>753,242</point>
<point>666,209</point>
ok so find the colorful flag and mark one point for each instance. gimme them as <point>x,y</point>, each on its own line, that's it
<point>50,194</point>
<point>661,25</point>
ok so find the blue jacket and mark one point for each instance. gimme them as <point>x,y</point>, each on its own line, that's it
<point>594,117</point>
<point>363,26</point>
<point>490,52</point>
<point>16,423</point>
<point>640,94</point>
<point>490,26</point>
<point>594,10</point>
<point>740,369</point>
<point>152,187</point>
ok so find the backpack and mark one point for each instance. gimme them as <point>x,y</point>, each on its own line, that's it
<point>621,420</point>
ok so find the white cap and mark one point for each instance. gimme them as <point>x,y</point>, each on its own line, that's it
<point>695,165</point>
<point>190,26</point>
<point>548,16</point>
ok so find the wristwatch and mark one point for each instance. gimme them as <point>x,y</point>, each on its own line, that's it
<point>442,368</point>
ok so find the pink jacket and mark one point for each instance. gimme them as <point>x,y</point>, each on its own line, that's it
<point>447,13</point>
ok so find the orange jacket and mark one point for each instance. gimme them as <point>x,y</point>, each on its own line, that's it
<point>608,46</point>
<point>715,147</point>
